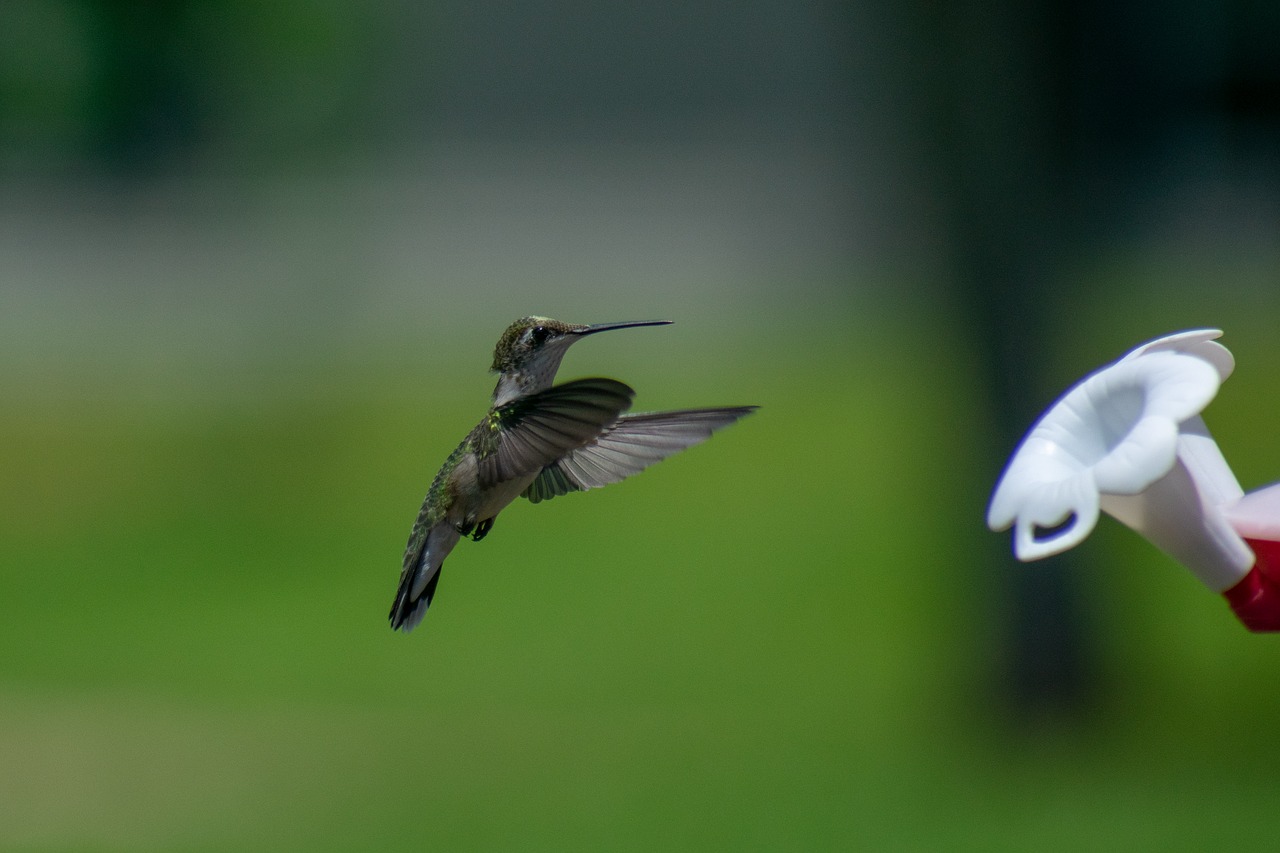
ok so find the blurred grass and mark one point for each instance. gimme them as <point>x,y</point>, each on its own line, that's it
<point>779,640</point>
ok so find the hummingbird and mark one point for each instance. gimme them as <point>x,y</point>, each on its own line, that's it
<point>538,441</point>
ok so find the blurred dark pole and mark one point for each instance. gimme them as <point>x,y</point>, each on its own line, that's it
<point>997,77</point>
<point>146,103</point>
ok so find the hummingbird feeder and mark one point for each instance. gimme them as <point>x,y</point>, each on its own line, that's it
<point>1128,440</point>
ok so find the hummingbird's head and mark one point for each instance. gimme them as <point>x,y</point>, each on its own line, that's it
<point>529,352</point>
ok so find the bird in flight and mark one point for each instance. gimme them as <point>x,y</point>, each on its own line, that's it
<point>538,441</point>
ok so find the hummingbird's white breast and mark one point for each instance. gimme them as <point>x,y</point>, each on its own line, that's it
<point>497,498</point>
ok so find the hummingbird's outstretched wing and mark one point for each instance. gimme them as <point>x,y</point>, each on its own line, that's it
<point>531,432</point>
<point>629,446</point>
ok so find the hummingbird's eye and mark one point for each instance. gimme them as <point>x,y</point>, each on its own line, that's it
<point>538,334</point>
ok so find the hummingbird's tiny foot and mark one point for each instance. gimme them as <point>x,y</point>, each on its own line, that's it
<point>482,530</point>
<point>465,529</point>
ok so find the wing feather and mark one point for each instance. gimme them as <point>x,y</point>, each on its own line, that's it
<point>629,446</point>
<point>532,432</point>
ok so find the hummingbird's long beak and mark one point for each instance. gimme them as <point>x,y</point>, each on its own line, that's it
<point>605,327</point>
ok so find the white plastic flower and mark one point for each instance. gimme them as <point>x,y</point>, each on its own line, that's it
<point>1129,440</point>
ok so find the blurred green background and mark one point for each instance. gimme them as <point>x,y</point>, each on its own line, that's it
<point>253,261</point>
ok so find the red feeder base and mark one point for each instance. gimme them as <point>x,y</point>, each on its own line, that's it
<point>1256,598</point>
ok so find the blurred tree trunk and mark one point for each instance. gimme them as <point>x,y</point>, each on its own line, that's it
<point>998,104</point>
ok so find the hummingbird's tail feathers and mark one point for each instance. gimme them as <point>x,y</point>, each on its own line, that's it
<point>629,446</point>
<point>407,612</point>
<point>420,575</point>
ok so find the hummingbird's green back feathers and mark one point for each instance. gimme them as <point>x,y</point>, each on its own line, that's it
<point>418,578</point>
